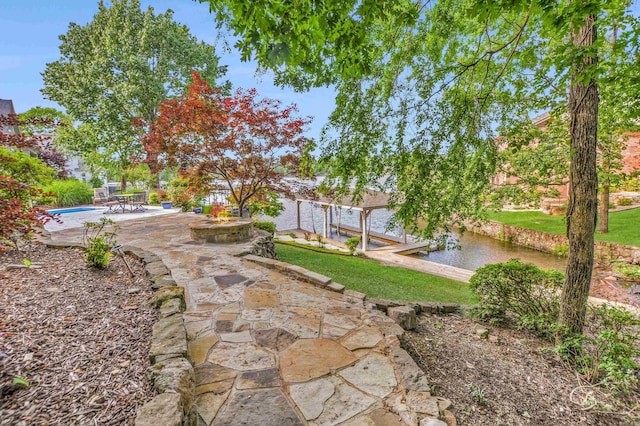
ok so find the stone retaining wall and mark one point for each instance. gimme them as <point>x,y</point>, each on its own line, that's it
<point>552,243</point>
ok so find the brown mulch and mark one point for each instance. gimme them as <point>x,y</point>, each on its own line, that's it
<point>79,336</point>
<point>511,381</point>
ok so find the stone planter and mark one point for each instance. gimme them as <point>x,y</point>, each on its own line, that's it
<point>230,231</point>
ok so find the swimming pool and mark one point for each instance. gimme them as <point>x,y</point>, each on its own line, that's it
<point>71,210</point>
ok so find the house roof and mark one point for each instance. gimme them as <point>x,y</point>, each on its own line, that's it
<point>6,108</point>
<point>371,200</point>
<point>541,118</point>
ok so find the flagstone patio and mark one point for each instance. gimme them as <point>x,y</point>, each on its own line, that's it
<point>270,350</point>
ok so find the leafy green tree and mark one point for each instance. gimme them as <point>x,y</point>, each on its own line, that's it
<point>425,87</point>
<point>119,67</point>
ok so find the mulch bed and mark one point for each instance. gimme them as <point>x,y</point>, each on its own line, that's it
<point>79,336</point>
<point>511,381</point>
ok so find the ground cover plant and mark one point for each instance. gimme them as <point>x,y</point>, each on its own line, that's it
<point>76,337</point>
<point>377,280</point>
<point>623,227</point>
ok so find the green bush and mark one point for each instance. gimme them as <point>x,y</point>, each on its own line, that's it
<point>206,209</point>
<point>98,253</point>
<point>519,291</point>
<point>270,227</point>
<point>352,243</point>
<point>625,201</point>
<point>561,250</point>
<point>98,243</point>
<point>68,192</point>
<point>605,352</point>
<point>629,271</point>
<point>154,199</point>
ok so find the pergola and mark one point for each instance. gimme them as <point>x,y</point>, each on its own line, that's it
<point>371,200</point>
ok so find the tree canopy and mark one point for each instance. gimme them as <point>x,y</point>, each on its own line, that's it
<point>241,140</point>
<point>424,89</point>
<point>118,67</point>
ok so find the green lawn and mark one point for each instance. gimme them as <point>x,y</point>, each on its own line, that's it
<point>623,226</point>
<point>376,280</point>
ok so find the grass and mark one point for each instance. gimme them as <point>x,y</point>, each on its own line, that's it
<point>376,280</point>
<point>623,225</point>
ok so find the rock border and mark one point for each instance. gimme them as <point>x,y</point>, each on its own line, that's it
<point>171,373</point>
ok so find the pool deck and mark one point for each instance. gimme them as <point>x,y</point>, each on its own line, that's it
<point>77,219</point>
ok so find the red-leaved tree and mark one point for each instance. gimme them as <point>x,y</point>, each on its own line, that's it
<point>240,139</point>
<point>18,217</point>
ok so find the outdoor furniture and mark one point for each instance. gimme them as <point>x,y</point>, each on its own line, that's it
<point>113,205</point>
<point>139,201</point>
<point>124,201</point>
<point>99,196</point>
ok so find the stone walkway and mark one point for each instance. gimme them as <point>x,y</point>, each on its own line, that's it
<point>270,350</point>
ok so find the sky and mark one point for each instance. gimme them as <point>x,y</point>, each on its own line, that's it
<point>30,31</point>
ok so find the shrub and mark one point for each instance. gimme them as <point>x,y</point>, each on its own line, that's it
<point>561,250</point>
<point>206,209</point>
<point>98,243</point>
<point>68,192</point>
<point>352,243</point>
<point>553,192</point>
<point>183,195</point>
<point>520,291</point>
<point>270,227</point>
<point>154,199</point>
<point>606,350</point>
<point>625,201</point>
<point>630,184</point>
<point>216,209</point>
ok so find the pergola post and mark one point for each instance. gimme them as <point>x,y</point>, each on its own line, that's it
<point>365,234</point>
<point>404,235</point>
<point>325,222</point>
<point>330,218</point>
<point>298,212</point>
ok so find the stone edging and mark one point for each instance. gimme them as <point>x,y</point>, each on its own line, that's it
<point>171,373</point>
<point>302,274</point>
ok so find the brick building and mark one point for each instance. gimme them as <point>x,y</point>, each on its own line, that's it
<point>630,158</point>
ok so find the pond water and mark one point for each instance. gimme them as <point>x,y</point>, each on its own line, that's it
<point>474,252</point>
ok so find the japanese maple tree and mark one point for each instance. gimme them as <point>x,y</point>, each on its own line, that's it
<point>19,217</point>
<point>247,142</point>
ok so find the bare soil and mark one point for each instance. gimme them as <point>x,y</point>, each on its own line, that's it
<point>509,379</point>
<point>79,336</point>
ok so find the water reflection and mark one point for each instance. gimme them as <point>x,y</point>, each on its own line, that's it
<point>475,250</point>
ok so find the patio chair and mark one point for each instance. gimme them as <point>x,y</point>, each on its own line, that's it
<point>99,195</point>
<point>139,201</point>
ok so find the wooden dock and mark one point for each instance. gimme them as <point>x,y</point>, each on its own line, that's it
<point>376,236</point>
<point>409,248</point>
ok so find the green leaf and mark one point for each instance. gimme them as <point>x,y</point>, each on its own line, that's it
<point>20,381</point>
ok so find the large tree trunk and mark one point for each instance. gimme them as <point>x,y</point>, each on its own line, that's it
<point>123,182</point>
<point>583,177</point>
<point>603,223</point>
